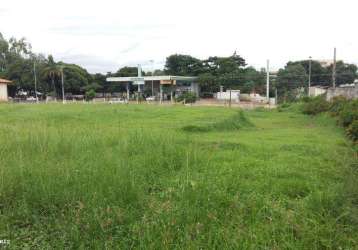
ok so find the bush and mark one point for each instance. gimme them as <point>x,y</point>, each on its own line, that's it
<point>90,94</point>
<point>352,131</point>
<point>345,110</point>
<point>306,99</point>
<point>337,105</point>
<point>348,113</point>
<point>314,106</point>
<point>187,97</point>
<point>283,106</point>
<point>234,122</point>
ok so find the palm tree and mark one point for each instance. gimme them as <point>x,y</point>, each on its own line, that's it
<point>52,70</point>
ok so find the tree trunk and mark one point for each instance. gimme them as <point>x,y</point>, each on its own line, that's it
<point>54,87</point>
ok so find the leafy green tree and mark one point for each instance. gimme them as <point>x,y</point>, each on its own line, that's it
<point>15,63</point>
<point>345,73</point>
<point>40,62</point>
<point>212,72</point>
<point>224,65</point>
<point>4,48</point>
<point>208,83</point>
<point>53,72</point>
<point>290,80</point>
<point>93,86</point>
<point>158,72</point>
<point>319,74</point>
<point>20,72</point>
<point>183,65</point>
<point>127,71</point>
<point>99,78</point>
<point>90,94</point>
<point>254,81</point>
<point>19,47</point>
<point>76,77</point>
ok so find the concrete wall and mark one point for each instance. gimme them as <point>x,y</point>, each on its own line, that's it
<point>225,96</point>
<point>257,98</point>
<point>348,92</point>
<point>3,92</point>
<point>316,91</point>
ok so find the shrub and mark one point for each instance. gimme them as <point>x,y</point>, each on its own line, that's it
<point>352,131</point>
<point>196,128</point>
<point>306,99</point>
<point>345,110</point>
<point>234,122</point>
<point>337,105</point>
<point>90,94</point>
<point>283,106</point>
<point>315,105</point>
<point>187,97</point>
<point>349,113</point>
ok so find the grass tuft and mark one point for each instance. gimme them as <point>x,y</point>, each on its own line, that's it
<point>235,122</point>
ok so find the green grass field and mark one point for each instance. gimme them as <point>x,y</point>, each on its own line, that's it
<point>149,177</point>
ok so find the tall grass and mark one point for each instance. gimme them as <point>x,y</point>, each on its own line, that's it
<point>97,176</point>
<point>235,122</point>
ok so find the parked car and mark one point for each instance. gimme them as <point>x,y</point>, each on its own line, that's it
<point>117,100</point>
<point>31,99</point>
<point>150,98</point>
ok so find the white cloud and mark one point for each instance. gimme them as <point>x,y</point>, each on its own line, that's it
<point>104,35</point>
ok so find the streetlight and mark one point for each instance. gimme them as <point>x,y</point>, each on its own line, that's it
<point>152,62</point>
<point>268,81</point>
<point>309,74</point>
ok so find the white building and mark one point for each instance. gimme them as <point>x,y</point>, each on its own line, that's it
<point>3,90</point>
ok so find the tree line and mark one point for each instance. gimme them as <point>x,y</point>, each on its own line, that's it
<point>232,72</point>
<point>18,62</point>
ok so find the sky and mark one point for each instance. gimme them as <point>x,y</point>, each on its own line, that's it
<point>103,36</point>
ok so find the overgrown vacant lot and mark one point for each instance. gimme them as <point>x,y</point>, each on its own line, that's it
<point>95,176</point>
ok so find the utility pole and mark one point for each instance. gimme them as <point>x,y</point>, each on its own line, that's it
<point>334,69</point>
<point>35,79</point>
<point>268,80</point>
<point>161,93</point>
<point>139,75</point>
<point>230,99</point>
<point>152,87</point>
<point>63,88</point>
<point>138,94</point>
<point>309,74</point>
<point>152,61</point>
<point>127,92</point>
